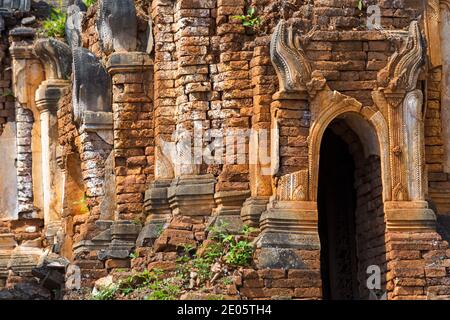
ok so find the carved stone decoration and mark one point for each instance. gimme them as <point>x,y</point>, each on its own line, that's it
<point>402,70</point>
<point>163,166</point>
<point>117,25</point>
<point>445,4</point>
<point>91,87</point>
<point>289,60</point>
<point>75,15</point>
<point>56,57</point>
<point>413,131</point>
<point>317,83</point>
<point>293,186</point>
<point>432,30</point>
<point>397,78</point>
<point>275,148</point>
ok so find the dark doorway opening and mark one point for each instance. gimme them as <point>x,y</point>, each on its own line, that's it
<point>337,204</point>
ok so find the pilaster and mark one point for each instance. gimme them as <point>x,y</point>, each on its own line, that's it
<point>47,99</point>
<point>27,74</point>
<point>133,132</point>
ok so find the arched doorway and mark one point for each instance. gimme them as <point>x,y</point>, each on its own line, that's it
<point>350,204</point>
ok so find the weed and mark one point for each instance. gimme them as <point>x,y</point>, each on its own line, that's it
<point>106,293</point>
<point>203,268</point>
<point>250,19</point>
<point>159,229</point>
<point>89,3</point>
<point>246,230</point>
<point>239,253</point>
<point>166,289</point>
<point>361,4</point>
<point>7,93</point>
<point>55,25</point>
<point>226,281</point>
<point>188,248</point>
<point>214,251</point>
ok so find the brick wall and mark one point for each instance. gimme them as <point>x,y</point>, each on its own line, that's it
<point>7,113</point>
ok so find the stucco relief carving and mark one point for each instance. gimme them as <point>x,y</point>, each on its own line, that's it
<point>293,186</point>
<point>289,59</point>
<point>296,80</point>
<point>275,147</point>
<point>396,80</point>
<point>117,25</point>
<point>403,67</point>
<point>91,89</point>
<point>75,15</point>
<point>163,165</point>
<point>396,115</point>
<point>56,57</point>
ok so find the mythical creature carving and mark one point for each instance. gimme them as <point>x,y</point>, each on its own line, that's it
<point>56,57</point>
<point>91,85</point>
<point>117,25</point>
<point>289,60</point>
<point>403,68</point>
<point>75,15</point>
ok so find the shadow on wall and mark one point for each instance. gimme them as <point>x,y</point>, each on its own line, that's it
<point>442,222</point>
<point>443,226</point>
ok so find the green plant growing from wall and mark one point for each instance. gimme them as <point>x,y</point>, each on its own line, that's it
<point>107,293</point>
<point>161,288</point>
<point>196,269</point>
<point>159,229</point>
<point>247,230</point>
<point>89,3</point>
<point>165,289</point>
<point>55,25</point>
<point>250,20</point>
<point>361,4</point>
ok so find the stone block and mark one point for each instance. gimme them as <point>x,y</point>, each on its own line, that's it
<point>192,195</point>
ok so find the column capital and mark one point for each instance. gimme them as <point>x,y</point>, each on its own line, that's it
<point>49,93</point>
<point>22,43</point>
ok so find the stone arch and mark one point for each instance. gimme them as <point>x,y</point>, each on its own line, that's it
<point>321,123</point>
<point>351,218</point>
